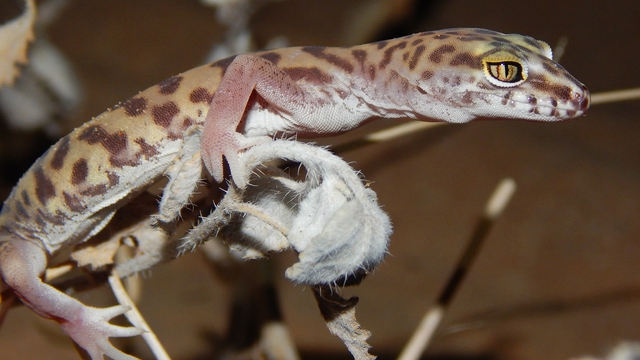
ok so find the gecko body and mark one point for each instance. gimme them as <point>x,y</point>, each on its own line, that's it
<point>217,110</point>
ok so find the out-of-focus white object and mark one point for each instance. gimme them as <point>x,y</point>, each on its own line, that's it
<point>627,350</point>
<point>15,35</point>
<point>47,89</point>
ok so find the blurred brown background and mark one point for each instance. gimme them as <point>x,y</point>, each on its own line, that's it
<point>559,275</point>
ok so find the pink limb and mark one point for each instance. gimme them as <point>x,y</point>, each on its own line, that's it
<point>21,265</point>
<point>221,136</point>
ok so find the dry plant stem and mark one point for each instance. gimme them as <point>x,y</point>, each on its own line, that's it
<point>616,95</point>
<point>387,134</point>
<point>134,316</point>
<point>429,323</point>
<point>339,315</point>
<point>57,271</point>
<point>277,343</point>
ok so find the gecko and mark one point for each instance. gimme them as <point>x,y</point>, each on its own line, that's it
<point>190,123</point>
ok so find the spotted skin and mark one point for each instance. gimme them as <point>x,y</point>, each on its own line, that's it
<point>74,189</point>
<point>450,75</point>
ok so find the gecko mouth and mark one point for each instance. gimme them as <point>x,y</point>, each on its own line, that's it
<point>547,107</point>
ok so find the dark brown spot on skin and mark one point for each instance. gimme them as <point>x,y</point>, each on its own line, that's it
<point>497,44</point>
<point>533,100</point>
<point>273,57</point>
<point>436,55</point>
<point>416,42</point>
<point>115,144</point>
<point>553,102</point>
<point>445,80</point>
<point>163,114</point>
<point>499,40</point>
<point>57,219</point>
<point>441,37</point>
<point>360,56</point>
<point>60,153</point>
<point>200,95</point>
<point>40,221</point>
<point>114,179</point>
<point>135,106</point>
<point>148,151</point>
<point>372,72</point>
<point>74,203</point>
<point>335,60</point>
<point>382,44</point>
<point>426,75</point>
<point>404,85</point>
<point>170,85</point>
<point>416,56</point>
<point>187,122</point>
<point>21,210</point>
<point>95,190</point>
<point>79,172</point>
<point>531,42</point>
<point>311,75</point>
<point>504,101</point>
<point>456,81</point>
<point>571,113</point>
<point>466,98</point>
<point>540,82</point>
<point>544,59</point>
<point>526,55</point>
<point>45,190</point>
<point>386,59</point>
<point>224,63</point>
<point>405,56</point>
<point>26,198</point>
<point>466,59</point>
<point>551,69</point>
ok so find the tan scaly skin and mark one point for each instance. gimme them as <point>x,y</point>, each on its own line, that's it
<point>222,108</point>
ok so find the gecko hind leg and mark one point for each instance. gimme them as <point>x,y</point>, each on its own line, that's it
<point>21,264</point>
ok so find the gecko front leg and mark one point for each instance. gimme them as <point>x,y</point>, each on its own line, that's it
<point>246,74</point>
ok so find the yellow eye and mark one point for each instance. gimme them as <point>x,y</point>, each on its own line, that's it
<point>505,71</point>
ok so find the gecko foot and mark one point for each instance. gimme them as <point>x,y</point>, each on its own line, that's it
<point>90,330</point>
<point>228,144</point>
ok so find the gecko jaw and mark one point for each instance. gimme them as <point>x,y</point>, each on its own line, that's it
<point>529,107</point>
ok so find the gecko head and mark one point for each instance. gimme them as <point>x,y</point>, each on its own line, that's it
<point>489,74</point>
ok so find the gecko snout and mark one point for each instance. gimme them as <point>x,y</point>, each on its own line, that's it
<point>582,98</point>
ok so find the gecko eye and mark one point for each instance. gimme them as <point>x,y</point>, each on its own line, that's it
<point>504,71</point>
